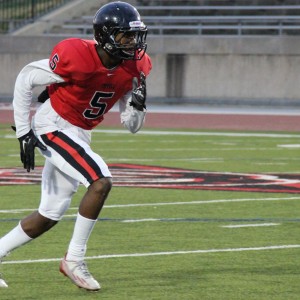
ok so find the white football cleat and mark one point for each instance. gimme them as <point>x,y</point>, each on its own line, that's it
<point>2,282</point>
<point>79,274</point>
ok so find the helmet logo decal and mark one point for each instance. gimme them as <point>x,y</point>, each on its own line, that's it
<point>135,24</point>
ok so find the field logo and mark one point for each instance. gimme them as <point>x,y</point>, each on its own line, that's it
<point>129,175</point>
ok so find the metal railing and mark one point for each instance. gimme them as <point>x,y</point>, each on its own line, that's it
<point>222,19</point>
<point>16,13</point>
<point>207,20</point>
<point>169,20</point>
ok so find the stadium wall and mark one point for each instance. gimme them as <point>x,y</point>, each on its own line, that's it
<point>212,70</point>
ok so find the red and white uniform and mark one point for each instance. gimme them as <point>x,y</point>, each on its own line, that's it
<point>81,92</point>
<point>81,89</point>
<point>90,90</point>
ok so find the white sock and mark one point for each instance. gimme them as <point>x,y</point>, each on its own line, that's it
<point>13,239</point>
<point>82,230</point>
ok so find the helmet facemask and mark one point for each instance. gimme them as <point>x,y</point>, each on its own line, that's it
<point>134,48</point>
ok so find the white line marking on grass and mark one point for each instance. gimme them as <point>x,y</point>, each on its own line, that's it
<point>4,211</point>
<point>141,220</point>
<point>188,133</point>
<point>289,146</point>
<point>213,159</point>
<point>250,225</point>
<point>16,210</point>
<point>9,136</point>
<point>277,247</point>
<point>197,133</point>
<point>199,202</point>
<point>270,163</point>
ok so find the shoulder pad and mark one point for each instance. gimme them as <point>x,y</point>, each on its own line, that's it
<point>73,59</point>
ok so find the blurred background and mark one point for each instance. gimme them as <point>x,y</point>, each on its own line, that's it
<point>217,53</point>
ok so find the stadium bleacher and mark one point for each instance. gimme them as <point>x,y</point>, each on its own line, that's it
<point>15,14</point>
<point>177,17</point>
<point>204,18</point>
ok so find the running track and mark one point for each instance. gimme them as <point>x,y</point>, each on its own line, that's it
<point>200,117</point>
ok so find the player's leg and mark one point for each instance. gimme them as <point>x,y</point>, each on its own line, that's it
<point>73,264</point>
<point>90,169</point>
<point>57,191</point>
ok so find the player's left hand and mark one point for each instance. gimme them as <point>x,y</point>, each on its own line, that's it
<point>139,93</point>
<point>28,142</point>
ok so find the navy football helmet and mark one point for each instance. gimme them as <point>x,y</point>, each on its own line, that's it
<point>122,19</point>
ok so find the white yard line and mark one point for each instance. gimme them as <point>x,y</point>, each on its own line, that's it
<point>20,210</point>
<point>205,160</point>
<point>142,220</point>
<point>200,202</point>
<point>291,146</point>
<point>187,133</point>
<point>183,252</point>
<point>199,133</point>
<point>250,225</point>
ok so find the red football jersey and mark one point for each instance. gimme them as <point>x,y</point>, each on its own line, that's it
<point>90,90</point>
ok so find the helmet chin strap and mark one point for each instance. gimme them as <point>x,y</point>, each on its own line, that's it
<point>108,46</point>
<point>110,50</point>
<point>116,52</point>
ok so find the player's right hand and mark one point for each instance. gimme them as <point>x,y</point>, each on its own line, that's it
<point>28,142</point>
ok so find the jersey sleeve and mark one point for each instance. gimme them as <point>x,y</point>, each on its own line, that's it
<point>70,59</point>
<point>145,65</point>
<point>131,118</point>
<point>135,67</point>
<point>32,75</point>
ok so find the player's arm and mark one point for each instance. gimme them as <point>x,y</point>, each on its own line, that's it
<point>133,107</point>
<point>131,118</point>
<point>32,75</point>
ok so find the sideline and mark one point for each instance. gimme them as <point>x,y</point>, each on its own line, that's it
<point>201,109</point>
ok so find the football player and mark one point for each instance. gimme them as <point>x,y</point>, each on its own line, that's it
<point>83,80</point>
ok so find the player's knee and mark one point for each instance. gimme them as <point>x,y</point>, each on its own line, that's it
<point>48,224</point>
<point>35,224</point>
<point>102,186</point>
